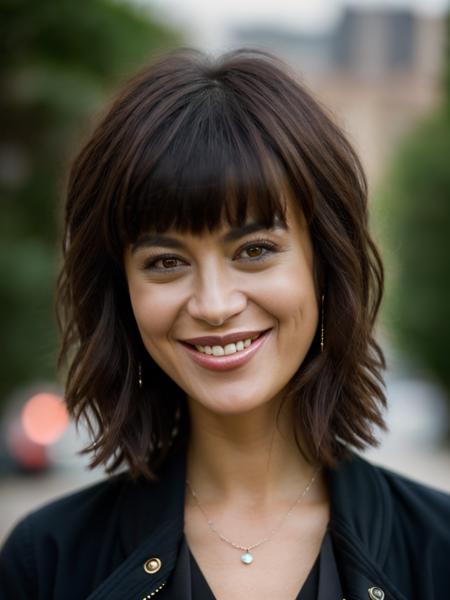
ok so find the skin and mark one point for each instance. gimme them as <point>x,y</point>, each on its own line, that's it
<point>243,464</point>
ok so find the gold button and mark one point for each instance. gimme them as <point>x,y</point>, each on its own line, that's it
<point>376,593</point>
<point>153,565</point>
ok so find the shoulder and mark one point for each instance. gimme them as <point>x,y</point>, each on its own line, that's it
<point>106,503</point>
<point>395,528</point>
<point>417,543</point>
<point>53,534</point>
<point>371,497</point>
<point>364,474</point>
<point>409,495</point>
<point>84,536</point>
<point>419,502</point>
<point>363,493</point>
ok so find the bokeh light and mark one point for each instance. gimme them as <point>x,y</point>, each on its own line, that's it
<point>26,453</point>
<point>45,418</point>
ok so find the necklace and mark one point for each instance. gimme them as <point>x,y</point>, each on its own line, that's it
<point>247,557</point>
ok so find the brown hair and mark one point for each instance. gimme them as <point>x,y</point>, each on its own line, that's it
<point>191,141</point>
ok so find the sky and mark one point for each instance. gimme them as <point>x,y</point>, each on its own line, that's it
<point>207,20</point>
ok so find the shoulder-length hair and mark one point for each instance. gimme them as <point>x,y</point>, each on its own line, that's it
<point>190,142</point>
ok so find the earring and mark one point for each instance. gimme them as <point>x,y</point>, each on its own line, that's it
<point>322,327</point>
<point>175,430</point>
<point>140,375</point>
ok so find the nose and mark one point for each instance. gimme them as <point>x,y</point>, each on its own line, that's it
<point>216,298</point>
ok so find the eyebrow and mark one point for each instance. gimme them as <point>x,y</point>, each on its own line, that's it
<point>149,240</point>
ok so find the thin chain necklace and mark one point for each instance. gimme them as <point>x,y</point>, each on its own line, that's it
<point>247,558</point>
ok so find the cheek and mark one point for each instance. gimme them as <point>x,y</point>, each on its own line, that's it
<point>153,311</point>
<point>297,315</point>
<point>291,295</point>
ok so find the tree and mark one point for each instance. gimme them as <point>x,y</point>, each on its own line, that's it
<point>413,213</point>
<point>58,61</point>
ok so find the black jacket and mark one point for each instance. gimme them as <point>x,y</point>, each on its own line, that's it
<point>391,536</point>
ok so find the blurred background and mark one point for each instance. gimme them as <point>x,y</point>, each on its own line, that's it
<point>381,68</point>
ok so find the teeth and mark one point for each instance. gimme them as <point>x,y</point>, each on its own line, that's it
<point>226,350</point>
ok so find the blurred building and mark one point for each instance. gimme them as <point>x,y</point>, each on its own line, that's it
<point>378,70</point>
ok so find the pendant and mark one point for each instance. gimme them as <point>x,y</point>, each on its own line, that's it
<point>247,558</point>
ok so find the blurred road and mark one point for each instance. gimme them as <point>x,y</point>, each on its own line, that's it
<point>19,494</point>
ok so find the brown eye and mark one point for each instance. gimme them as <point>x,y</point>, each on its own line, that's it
<point>254,251</point>
<point>169,263</point>
<point>257,250</point>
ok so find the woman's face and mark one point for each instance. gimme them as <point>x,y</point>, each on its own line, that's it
<point>229,315</point>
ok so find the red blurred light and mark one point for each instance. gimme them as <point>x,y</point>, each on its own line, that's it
<point>26,452</point>
<point>44,418</point>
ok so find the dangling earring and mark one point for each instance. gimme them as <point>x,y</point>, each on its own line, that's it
<point>175,430</point>
<point>140,375</point>
<point>322,327</point>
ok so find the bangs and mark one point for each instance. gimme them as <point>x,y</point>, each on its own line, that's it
<point>204,166</point>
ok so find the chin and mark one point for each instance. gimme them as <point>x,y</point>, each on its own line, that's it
<point>233,402</point>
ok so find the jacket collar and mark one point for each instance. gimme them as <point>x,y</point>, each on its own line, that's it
<point>147,505</point>
<point>361,504</point>
<point>361,525</point>
<point>150,527</point>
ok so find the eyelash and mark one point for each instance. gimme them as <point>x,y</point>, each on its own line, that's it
<point>267,246</point>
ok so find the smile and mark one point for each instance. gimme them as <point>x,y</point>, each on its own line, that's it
<point>228,349</point>
<point>217,357</point>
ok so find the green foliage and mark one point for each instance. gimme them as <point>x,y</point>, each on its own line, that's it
<point>413,216</point>
<point>447,70</point>
<point>58,61</point>
<point>413,212</point>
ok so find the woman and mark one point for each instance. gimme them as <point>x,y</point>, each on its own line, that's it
<point>218,298</point>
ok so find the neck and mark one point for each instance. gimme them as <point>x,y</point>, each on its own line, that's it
<point>250,459</point>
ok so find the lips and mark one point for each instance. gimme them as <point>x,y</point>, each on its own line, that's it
<point>228,361</point>
<point>222,340</point>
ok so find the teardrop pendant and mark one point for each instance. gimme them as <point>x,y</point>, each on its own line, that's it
<point>247,558</point>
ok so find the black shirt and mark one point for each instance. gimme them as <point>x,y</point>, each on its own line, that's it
<point>322,582</point>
